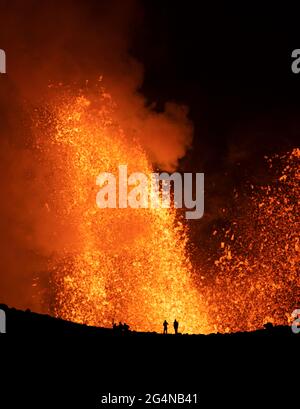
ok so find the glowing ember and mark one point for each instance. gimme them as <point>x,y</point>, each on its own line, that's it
<point>118,264</point>
<point>132,264</point>
<point>258,273</point>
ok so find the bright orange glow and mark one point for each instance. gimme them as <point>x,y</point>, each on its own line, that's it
<point>121,264</point>
<point>132,265</point>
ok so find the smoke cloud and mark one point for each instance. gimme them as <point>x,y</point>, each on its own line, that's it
<point>65,42</point>
<point>71,42</point>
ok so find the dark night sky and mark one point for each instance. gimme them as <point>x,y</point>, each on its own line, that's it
<point>231,66</point>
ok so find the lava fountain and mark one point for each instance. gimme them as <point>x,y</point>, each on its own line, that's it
<point>258,272</point>
<point>116,264</point>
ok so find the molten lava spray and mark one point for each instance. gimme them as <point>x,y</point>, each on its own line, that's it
<point>122,264</point>
<point>258,272</point>
<point>118,264</point>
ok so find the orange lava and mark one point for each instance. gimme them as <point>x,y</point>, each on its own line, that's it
<point>132,265</point>
<point>258,272</point>
<point>118,264</point>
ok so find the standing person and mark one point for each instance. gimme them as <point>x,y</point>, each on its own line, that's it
<point>176,325</point>
<point>165,324</point>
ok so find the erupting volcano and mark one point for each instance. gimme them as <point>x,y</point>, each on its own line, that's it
<point>98,266</point>
<point>119,264</point>
<point>159,105</point>
<point>133,265</point>
<point>257,276</point>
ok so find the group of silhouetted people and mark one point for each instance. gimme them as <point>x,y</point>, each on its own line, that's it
<point>175,325</point>
<point>124,328</point>
<point>121,328</point>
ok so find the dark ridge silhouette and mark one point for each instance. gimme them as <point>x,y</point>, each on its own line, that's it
<point>27,322</point>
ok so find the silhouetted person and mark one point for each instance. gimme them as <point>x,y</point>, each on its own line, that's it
<point>125,327</point>
<point>176,325</point>
<point>165,324</point>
